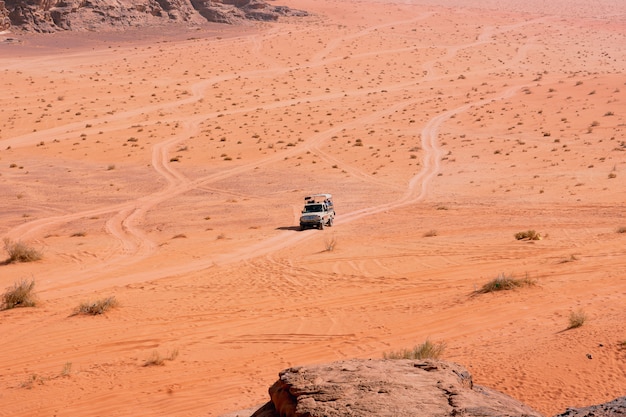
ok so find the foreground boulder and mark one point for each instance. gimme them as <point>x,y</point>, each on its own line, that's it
<point>386,388</point>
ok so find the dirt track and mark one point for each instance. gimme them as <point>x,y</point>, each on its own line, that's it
<point>171,174</point>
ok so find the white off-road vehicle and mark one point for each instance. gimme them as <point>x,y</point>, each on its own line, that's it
<point>318,212</point>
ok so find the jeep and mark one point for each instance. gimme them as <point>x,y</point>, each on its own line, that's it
<point>318,212</point>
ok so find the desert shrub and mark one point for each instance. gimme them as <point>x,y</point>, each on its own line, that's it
<point>97,307</point>
<point>22,294</point>
<point>426,350</point>
<point>31,381</point>
<point>621,229</point>
<point>431,233</point>
<point>528,235</point>
<point>156,359</point>
<point>20,252</point>
<point>329,244</point>
<point>67,369</point>
<point>571,258</point>
<point>503,282</point>
<point>576,319</point>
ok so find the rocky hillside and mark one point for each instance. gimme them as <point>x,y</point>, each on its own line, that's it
<point>101,15</point>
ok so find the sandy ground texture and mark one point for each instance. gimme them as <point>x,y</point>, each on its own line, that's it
<point>168,170</point>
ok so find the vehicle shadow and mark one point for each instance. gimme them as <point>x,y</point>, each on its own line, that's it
<point>288,228</point>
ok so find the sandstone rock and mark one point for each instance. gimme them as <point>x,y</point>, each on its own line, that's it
<point>615,408</point>
<point>393,388</point>
<point>5,22</point>
<point>103,15</point>
<point>218,12</point>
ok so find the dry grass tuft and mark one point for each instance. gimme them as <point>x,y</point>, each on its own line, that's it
<point>20,252</point>
<point>426,350</point>
<point>528,235</point>
<point>576,319</point>
<point>22,294</point>
<point>571,258</point>
<point>97,307</point>
<point>67,369</point>
<point>35,379</point>
<point>503,282</point>
<point>621,229</point>
<point>330,243</point>
<point>156,359</point>
<point>32,380</point>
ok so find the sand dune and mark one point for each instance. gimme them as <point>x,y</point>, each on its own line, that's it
<point>169,171</point>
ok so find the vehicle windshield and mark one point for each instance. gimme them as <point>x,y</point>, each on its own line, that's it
<point>313,208</point>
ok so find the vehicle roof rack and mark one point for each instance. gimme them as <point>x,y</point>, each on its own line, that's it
<point>312,197</point>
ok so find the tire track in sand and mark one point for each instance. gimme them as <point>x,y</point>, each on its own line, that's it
<point>134,241</point>
<point>417,190</point>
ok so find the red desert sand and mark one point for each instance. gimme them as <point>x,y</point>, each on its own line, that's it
<point>168,170</point>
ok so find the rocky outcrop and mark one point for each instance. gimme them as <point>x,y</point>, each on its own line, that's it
<point>5,22</point>
<point>615,408</point>
<point>218,12</point>
<point>101,15</point>
<point>393,388</point>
